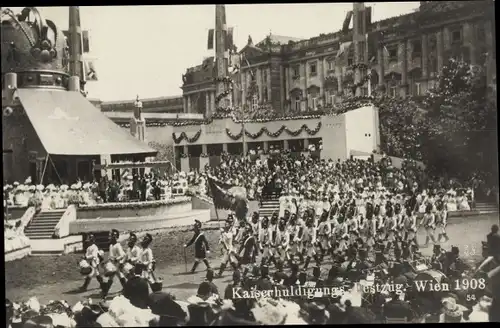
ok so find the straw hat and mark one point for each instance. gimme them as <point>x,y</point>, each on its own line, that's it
<point>16,183</point>
<point>40,187</point>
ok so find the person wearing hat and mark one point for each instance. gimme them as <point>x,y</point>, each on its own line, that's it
<point>441,221</point>
<point>133,251</point>
<point>146,259</point>
<point>169,311</point>
<point>226,240</point>
<point>201,247</point>
<point>409,229</point>
<point>136,289</point>
<point>247,248</point>
<point>309,241</point>
<point>429,223</point>
<point>118,257</point>
<point>209,277</point>
<point>93,258</point>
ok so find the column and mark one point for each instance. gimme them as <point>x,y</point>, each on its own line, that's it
<point>303,85</point>
<point>204,149</point>
<point>282,89</point>
<point>185,150</point>
<point>285,145</point>
<point>287,83</point>
<point>243,87</point>
<point>184,104</point>
<point>212,101</point>
<point>425,60</point>
<point>258,77</point>
<point>322,74</point>
<point>380,67</point>
<point>207,104</point>
<point>469,42</point>
<point>245,148</point>
<point>268,85</point>
<point>224,147</point>
<point>266,146</point>
<point>404,68</point>
<point>440,50</point>
<point>106,159</point>
<point>188,103</point>
<point>306,144</point>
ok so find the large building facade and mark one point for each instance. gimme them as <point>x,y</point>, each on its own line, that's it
<point>399,56</point>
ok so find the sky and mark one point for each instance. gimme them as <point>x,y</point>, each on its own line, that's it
<point>144,50</point>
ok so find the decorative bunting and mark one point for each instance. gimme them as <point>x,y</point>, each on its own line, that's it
<point>276,134</point>
<point>184,136</point>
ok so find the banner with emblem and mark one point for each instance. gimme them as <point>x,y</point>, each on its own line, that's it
<point>89,68</point>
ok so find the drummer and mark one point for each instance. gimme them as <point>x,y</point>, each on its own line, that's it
<point>133,250</point>
<point>146,257</point>
<point>93,258</point>
<point>117,257</point>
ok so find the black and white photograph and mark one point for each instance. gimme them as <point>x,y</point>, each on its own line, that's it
<point>250,164</point>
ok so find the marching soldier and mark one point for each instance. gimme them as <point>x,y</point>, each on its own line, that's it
<point>309,240</point>
<point>133,250</point>
<point>282,242</point>
<point>429,222</point>
<point>118,257</point>
<point>391,226</point>
<point>247,249</point>
<point>323,236</point>
<point>146,259</point>
<point>228,255</point>
<point>93,257</point>
<point>264,240</point>
<point>441,221</point>
<point>409,227</point>
<point>201,247</point>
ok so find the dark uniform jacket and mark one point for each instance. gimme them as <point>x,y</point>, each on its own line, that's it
<point>398,309</point>
<point>247,247</point>
<point>200,245</point>
<point>493,240</point>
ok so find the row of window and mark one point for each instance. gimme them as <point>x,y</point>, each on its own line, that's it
<point>456,38</point>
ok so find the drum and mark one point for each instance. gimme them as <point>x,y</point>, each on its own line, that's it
<point>109,269</point>
<point>432,277</point>
<point>127,267</point>
<point>85,268</point>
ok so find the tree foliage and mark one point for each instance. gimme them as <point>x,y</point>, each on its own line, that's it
<point>452,128</point>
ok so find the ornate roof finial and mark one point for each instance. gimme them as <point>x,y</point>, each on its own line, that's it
<point>250,41</point>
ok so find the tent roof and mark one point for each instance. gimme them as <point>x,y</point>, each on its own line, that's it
<point>68,124</point>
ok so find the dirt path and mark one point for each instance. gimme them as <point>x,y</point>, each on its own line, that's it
<point>466,233</point>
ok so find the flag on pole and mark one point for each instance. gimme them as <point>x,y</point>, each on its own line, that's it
<point>347,21</point>
<point>86,41</point>
<point>229,197</point>
<point>343,47</point>
<point>89,69</point>
<point>229,38</point>
<point>211,39</point>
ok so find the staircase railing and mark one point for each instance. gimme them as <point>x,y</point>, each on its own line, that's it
<point>28,215</point>
<point>62,228</point>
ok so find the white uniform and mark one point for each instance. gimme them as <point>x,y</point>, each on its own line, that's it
<point>282,244</point>
<point>324,231</point>
<point>118,257</point>
<point>410,227</point>
<point>92,256</point>
<point>146,259</point>
<point>133,254</point>
<point>309,240</point>
<point>228,253</point>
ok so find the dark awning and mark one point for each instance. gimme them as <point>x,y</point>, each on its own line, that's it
<point>68,124</point>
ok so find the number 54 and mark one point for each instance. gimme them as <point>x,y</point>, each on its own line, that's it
<point>471,297</point>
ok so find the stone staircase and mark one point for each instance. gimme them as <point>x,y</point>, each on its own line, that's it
<point>269,206</point>
<point>43,224</point>
<point>486,208</point>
